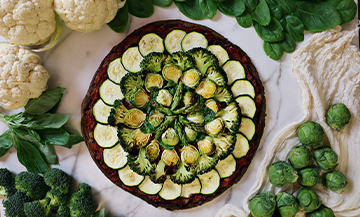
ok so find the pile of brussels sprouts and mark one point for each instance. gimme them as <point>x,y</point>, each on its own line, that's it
<point>301,168</point>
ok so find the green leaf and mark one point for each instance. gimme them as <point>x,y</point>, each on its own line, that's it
<point>24,134</point>
<point>100,213</point>
<point>140,8</point>
<point>232,7</point>
<point>209,115</point>
<point>52,121</point>
<point>59,137</point>
<point>147,127</point>
<point>191,9</point>
<point>294,27</point>
<point>250,5</point>
<point>208,7</point>
<point>261,14</point>
<point>275,9</point>
<point>274,50</point>
<point>73,140</point>
<point>162,3</point>
<point>5,142</point>
<point>288,43</point>
<point>271,33</point>
<point>245,20</point>
<point>44,102</point>
<point>346,8</point>
<point>121,20</point>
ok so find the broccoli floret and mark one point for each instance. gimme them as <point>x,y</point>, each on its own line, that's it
<point>217,75</point>
<point>7,182</point>
<point>159,176</point>
<point>31,184</point>
<point>183,60</point>
<point>125,138</point>
<point>225,145</point>
<point>57,179</point>
<point>14,205</point>
<point>183,175</point>
<point>232,117</point>
<point>37,208</point>
<point>63,211</point>
<point>81,202</point>
<point>203,58</point>
<point>129,82</point>
<point>56,197</point>
<point>153,62</point>
<point>117,113</point>
<point>205,163</point>
<point>140,164</point>
<point>223,94</point>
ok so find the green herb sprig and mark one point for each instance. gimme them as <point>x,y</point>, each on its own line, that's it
<point>34,132</point>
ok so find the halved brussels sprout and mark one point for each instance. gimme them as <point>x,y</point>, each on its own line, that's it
<point>134,118</point>
<point>189,155</point>
<point>152,150</point>
<point>196,117</point>
<point>170,157</point>
<point>206,88</point>
<point>190,98</point>
<point>206,145</point>
<point>213,105</point>
<point>156,118</point>
<point>170,137</point>
<point>190,134</point>
<point>216,127</point>
<point>164,98</point>
<point>171,72</point>
<point>139,138</point>
<point>153,80</point>
<point>139,98</point>
<point>191,78</point>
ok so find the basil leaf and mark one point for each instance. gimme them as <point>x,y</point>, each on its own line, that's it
<point>59,137</point>
<point>232,7</point>
<point>261,14</point>
<point>24,134</point>
<point>73,140</point>
<point>52,121</point>
<point>121,20</point>
<point>100,213</point>
<point>245,20</point>
<point>47,100</point>
<point>140,8</point>
<point>191,9</point>
<point>5,142</point>
<point>162,3</point>
<point>49,154</point>
<point>294,27</point>
<point>208,7</point>
<point>271,33</point>
<point>250,5</point>
<point>346,8</point>
<point>274,50</point>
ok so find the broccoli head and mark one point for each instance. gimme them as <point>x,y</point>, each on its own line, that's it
<point>159,175</point>
<point>183,175</point>
<point>56,197</point>
<point>203,58</point>
<point>153,62</point>
<point>129,82</point>
<point>140,164</point>
<point>205,164</point>
<point>37,208</point>
<point>14,205</point>
<point>57,179</point>
<point>81,202</point>
<point>31,184</point>
<point>63,211</point>
<point>117,113</point>
<point>183,60</point>
<point>7,182</point>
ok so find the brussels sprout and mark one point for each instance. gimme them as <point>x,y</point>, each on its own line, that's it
<point>190,134</point>
<point>311,134</point>
<point>206,145</point>
<point>189,155</point>
<point>134,118</point>
<point>286,204</point>
<point>190,98</point>
<point>191,78</point>
<point>170,137</point>
<point>153,80</point>
<point>206,88</point>
<point>300,157</point>
<point>309,177</point>
<point>323,211</point>
<point>281,173</point>
<point>164,98</point>
<point>170,157</point>
<point>326,158</point>
<point>213,105</point>
<point>335,181</point>
<point>156,118</point>
<point>152,150</point>
<point>338,116</point>
<point>171,72</point>
<point>196,117</point>
<point>308,200</point>
<point>262,205</point>
<point>139,98</point>
<point>216,127</point>
<point>139,138</point>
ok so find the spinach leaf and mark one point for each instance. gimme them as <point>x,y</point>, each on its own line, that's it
<point>140,8</point>
<point>274,50</point>
<point>5,142</point>
<point>232,7</point>
<point>346,8</point>
<point>244,20</point>
<point>47,121</point>
<point>317,16</point>
<point>271,33</point>
<point>250,5</point>
<point>208,7</point>
<point>294,27</point>
<point>209,115</point>
<point>162,3</point>
<point>261,14</point>
<point>191,9</point>
<point>288,43</point>
<point>121,20</point>
<point>47,100</point>
<point>275,9</point>
<point>100,213</point>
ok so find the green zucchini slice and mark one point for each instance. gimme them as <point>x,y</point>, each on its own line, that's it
<point>247,105</point>
<point>109,92</point>
<point>193,39</point>
<point>192,188</point>
<point>131,59</point>
<point>129,177</point>
<point>173,40</point>
<point>247,128</point>
<point>116,71</point>
<point>241,146</point>
<point>243,87</point>
<point>151,43</point>
<point>149,187</point>
<point>170,190</point>
<point>210,182</point>
<point>220,53</point>
<point>105,135</point>
<point>115,158</point>
<point>234,70</point>
<point>101,111</point>
<point>226,167</point>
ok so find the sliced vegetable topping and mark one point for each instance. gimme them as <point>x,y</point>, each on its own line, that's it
<point>247,128</point>
<point>247,105</point>
<point>170,190</point>
<point>220,53</point>
<point>191,78</point>
<point>226,167</point>
<point>129,177</point>
<point>206,89</point>
<point>109,92</point>
<point>151,43</point>
<point>234,70</point>
<point>101,111</point>
<point>192,188</point>
<point>116,71</point>
<point>149,187</point>
<point>134,118</point>
<point>131,59</point>
<point>192,40</point>
<point>171,72</point>
<point>115,158</point>
<point>243,87</point>
<point>139,98</point>
<point>105,135</point>
<point>173,40</point>
<point>153,80</point>
<point>241,146</point>
<point>210,182</point>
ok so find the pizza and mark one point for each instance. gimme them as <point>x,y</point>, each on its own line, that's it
<point>174,114</point>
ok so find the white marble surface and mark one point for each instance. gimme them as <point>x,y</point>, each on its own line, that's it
<point>72,64</point>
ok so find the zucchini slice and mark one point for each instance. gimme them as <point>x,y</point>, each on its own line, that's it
<point>115,158</point>
<point>247,105</point>
<point>220,53</point>
<point>101,111</point>
<point>226,167</point>
<point>192,188</point>
<point>173,40</point>
<point>151,43</point>
<point>234,70</point>
<point>210,182</point>
<point>193,39</point>
<point>129,177</point>
<point>149,187</point>
<point>243,87</point>
<point>105,135</point>
<point>131,59</point>
<point>241,146</point>
<point>247,128</point>
<point>170,190</point>
<point>109,92</point>
<point>116,71</point>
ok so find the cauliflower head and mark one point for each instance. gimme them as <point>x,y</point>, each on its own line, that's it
<point>85,15</point>
<point>27,22</point>
<point>21,76</point>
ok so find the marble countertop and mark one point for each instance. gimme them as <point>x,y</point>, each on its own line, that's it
<point>72,64</point>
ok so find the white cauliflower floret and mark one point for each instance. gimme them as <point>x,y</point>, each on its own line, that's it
<point>86,15</point>
<point>27,22</point>
<point>22,76</point>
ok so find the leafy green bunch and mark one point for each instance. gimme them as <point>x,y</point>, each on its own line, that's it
<point>34,132</point>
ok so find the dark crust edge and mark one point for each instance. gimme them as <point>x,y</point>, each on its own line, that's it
<point>254,142</point>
